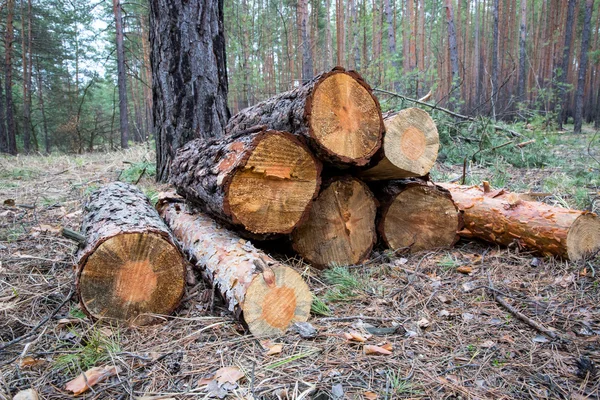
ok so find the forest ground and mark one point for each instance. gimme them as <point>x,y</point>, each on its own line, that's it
<point>450,337</point>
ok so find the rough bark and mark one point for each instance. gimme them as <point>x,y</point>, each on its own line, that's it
<point>40,87</point>
<point>122,75</point>
<point>391,41</point>
<point>505,218</point>
<point>25,53</point>
<point>129,267</point>
<point>265,295</point>
<point>564,70</point>
<point>410,147</point>
<point>261,180</point>
<point>189,75</point>
<point>583,62</point>
<point>453,53</point>
<point>417,215</point>
<point>522,52</point>
<point>307,62</point>
<point>340,229</point>
<point>8,47</point>
<point>3,136</point>
<point>336,112</point>
<point>495,49</point>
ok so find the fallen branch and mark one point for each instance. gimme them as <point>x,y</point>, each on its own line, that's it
<point>445,110</point>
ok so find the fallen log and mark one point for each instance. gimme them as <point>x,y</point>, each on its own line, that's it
<point>264,294</point>
<point>417,215</point>
<point>410,147</point>
<point>129,267</point>
<point>336,111</point>
<point>340,229</point>
<point>504,218</point>
<point>261,180</point>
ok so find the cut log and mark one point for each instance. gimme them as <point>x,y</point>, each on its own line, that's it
<point>410,147</point>
<point>504,218</point>
<point>264,294</point>
<point>417,215</point>
<point>340,229</point>
<point>261,180</point>
<point>336,111</point>
<point>129,267</point>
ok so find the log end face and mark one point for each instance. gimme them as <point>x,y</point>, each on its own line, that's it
<point>345,119</point>
<point>130,277</point>
<point>272,305</point>
<point>583,238</point>
<point>420,218</point>
<point>273,190</point>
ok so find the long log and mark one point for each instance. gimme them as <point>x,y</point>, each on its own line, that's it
<point>340,229</point>
<point>336,111</point>
<point>261,180</point>
<point>417,215</point>
<point>410,147</point>
<point>129,267</point>
<point>504,218</point>
<point>264,294</point>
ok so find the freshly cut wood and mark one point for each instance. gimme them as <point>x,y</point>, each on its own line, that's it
<point>262,180</point>
<point>417,215</point>
<point>410,147</point>
<point>266,295</point>
<point>336,111</point>
<point>340,229</point>
<point>129,267</point>
<point>501,217</point>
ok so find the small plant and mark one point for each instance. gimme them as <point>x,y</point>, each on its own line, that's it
<point>318,307</point>
<point>94,348</point>
<point>399,385</point>
<point>346,284</point>
<point>471,348</point>
<point>448,263</point>
<point>151,194</point>
<point>136,171</point>
<point>76,312</point>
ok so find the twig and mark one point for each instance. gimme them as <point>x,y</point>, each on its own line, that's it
<point>445,110</point>
<point>140,177</point>
<point>353,317</point>
<point>42,322</point>
<point>74,236</point>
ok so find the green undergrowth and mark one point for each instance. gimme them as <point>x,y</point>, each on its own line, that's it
<point>136,171</point>
<point>93,348</point>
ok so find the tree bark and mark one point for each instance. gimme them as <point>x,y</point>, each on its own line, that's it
<point>8,45</point>
<point>392,43</point>
<point>583,61</point>
<point>495,48</point>
<point>417,215</point>
<point>261,180</point>
<point>264,294</point>
<point>564,70</point>
<point>410,147</point>
<point>3,133</point>
<point>336,112</point>
<point>129,267</point>
<point>506,219</point>
<point>307,62</point>
<point>43,110</point>
<point>340,229</point>
<point>189,74</point>
<point>522,52</point>
<point>25,51</point>
<point>453,54</point>
<point>122,75</point>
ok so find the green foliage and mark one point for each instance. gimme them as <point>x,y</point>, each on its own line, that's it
<point>94,348</point>
<point>318,307</point>
<point>346,285</point>
<point>136,171</point>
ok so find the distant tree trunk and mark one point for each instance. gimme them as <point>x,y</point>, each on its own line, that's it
<point>494,93</point>
<point>307,62</point>
<point>8,43</point>
<point>41,100</point>
<point>189,74</point>
<point>147,79</point>
<point>25,51</point>
<point>355,29</point>
<point>340,37</point>
<point>597,122</point>
<point>392,42</point>
<point>583,61</point>
<point>328,44</point>
<point>478,59</point>
<point>562,76</point>
<point>122,77</point>
<point>522,52</point>
<point>3,137</point>
<point>453,52</point>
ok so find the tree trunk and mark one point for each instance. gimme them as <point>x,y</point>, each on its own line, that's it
<point>189,74</point>
<point>122,75</point>
<point>3,135</point>
<point>392,43</point>
<point>522,52</point>
<point>494,91</point>
<point>340,32</point>
<point>417,215</point>
<point>504,218</point>
<point>8,44</point>
<point>129,267</point>
<point>410,147</point>
<point>26,86</point>
<point>336,112</point>
<point>583,61</point>
<point>307,62</point>
<point>41,100</point>
<point>264,294</point>
<point>261,180</point>
<point>562,76</point>
<point>453,55</point>
<point>328,41</point>
<point>340,229</point>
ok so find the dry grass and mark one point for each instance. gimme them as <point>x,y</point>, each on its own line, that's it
<point>471,348</point>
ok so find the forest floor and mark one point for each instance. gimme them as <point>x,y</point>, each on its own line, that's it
<point>450,336</point>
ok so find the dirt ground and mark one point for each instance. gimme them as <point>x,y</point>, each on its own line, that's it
<point>450,336</point>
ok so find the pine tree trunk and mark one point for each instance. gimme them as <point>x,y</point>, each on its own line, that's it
<point>265,295</point>
<point>122,75</point>
<point>340,229</point>
<point>42,108</point>
<point>189,74</point>
<point>129,267</point>
<point>504,218</point>
<point>8,41</point>
<point>522,52</point>
<point>263,181</point>
<point>583,61</point>
<point>3,135</point>
<point>26,86</point>
<point>392,42</point>
<point>417,215</point>
<point>336,112</point>
<point>410,147</point>
<point>307,62</point>
<point>453,54</point>
<point>562,77</point>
